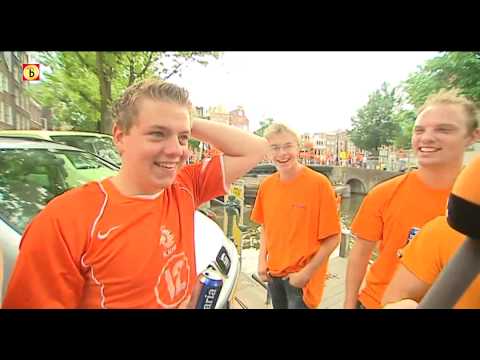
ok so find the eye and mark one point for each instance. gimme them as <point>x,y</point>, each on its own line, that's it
<point>157,134</point>
<point>183,139</point>
<point>418,130</point>
<point>445,130</point>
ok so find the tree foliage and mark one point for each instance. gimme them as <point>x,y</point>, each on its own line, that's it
<point>80,87</point>
<point>449,70</point>
<point>375,123</point>
<point>405,120</point>
<point>264,124</point>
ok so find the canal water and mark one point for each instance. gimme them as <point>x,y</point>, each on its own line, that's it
<point>349,207</point>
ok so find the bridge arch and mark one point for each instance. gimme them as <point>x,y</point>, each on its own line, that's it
<point>357,186</point>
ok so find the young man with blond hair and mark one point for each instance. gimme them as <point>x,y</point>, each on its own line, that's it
<point>300,228</point>
<point>127,241</point>
<point>395,210</point>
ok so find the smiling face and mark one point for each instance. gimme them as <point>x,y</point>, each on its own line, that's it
<point>441,135</point>
<point>284,151</point>
<point>156,145</point>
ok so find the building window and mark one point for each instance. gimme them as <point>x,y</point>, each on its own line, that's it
<point>17,97</point>
<point>8,114</point>
<point>8,59</point>
<point>18,73</point>
<point>11,114</point>
<point>2,112</point>
<point>3,82</point>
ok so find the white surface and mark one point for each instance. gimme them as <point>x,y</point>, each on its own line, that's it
<point>209,239</point>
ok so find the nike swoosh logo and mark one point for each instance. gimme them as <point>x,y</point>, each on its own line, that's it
<point>103,236</point>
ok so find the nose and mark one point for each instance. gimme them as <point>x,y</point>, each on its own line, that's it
<point>282,150</point>
<point>426,137</point>
<point>173,147</point>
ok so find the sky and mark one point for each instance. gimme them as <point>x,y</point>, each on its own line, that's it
<point>309,91</point>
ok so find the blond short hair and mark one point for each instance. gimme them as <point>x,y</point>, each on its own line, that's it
<point>125,110</point>
<point>278,128</point>
<point>453,97</point>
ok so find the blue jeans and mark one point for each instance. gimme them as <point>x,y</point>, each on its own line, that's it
<point>284,295</point>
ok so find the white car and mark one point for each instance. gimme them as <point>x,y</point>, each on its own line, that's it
<point>32,172</point>
<point>96,143</point>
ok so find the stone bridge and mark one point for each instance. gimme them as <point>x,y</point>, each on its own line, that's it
<point>360,180</point>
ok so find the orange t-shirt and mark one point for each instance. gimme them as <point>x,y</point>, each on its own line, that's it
<point>93,247</point>
<point>297,215</point>
<point>429,252</point>
<point>387,214</point>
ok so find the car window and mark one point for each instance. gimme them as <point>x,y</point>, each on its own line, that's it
<point>80,142</point>
<point>30,178</point>
<point>101,146</point>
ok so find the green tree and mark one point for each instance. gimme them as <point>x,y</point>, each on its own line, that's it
<point>405,120</point>
<point>80,87</point>
<point>448,70</point>
<point>264,124</point>
<point>194,144</point>
<point>375,125</point>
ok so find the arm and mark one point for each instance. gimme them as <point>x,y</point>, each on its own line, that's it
<point>356,269</point>
<point>242,150</point>
<point>300,278</point>
<point>404,285</point>
<point>262,258</point>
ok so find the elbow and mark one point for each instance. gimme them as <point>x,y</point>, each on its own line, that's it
<point>333,242</point>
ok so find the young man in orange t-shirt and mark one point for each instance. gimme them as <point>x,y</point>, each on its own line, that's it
<point>127,241</point>
<point>422,261</point>
<point>300,226</point>
<point>395,210</point>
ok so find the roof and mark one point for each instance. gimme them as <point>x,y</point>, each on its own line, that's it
<point>45,134</point>
<point>21,143</point>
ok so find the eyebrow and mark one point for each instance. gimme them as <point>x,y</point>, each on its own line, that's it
<point>438,125</point>
<point>287,143</point>
<point>167,130</point>
<point>447,125</point>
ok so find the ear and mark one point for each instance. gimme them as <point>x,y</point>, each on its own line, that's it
<point>474,137</point>
<point>118,135</point>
